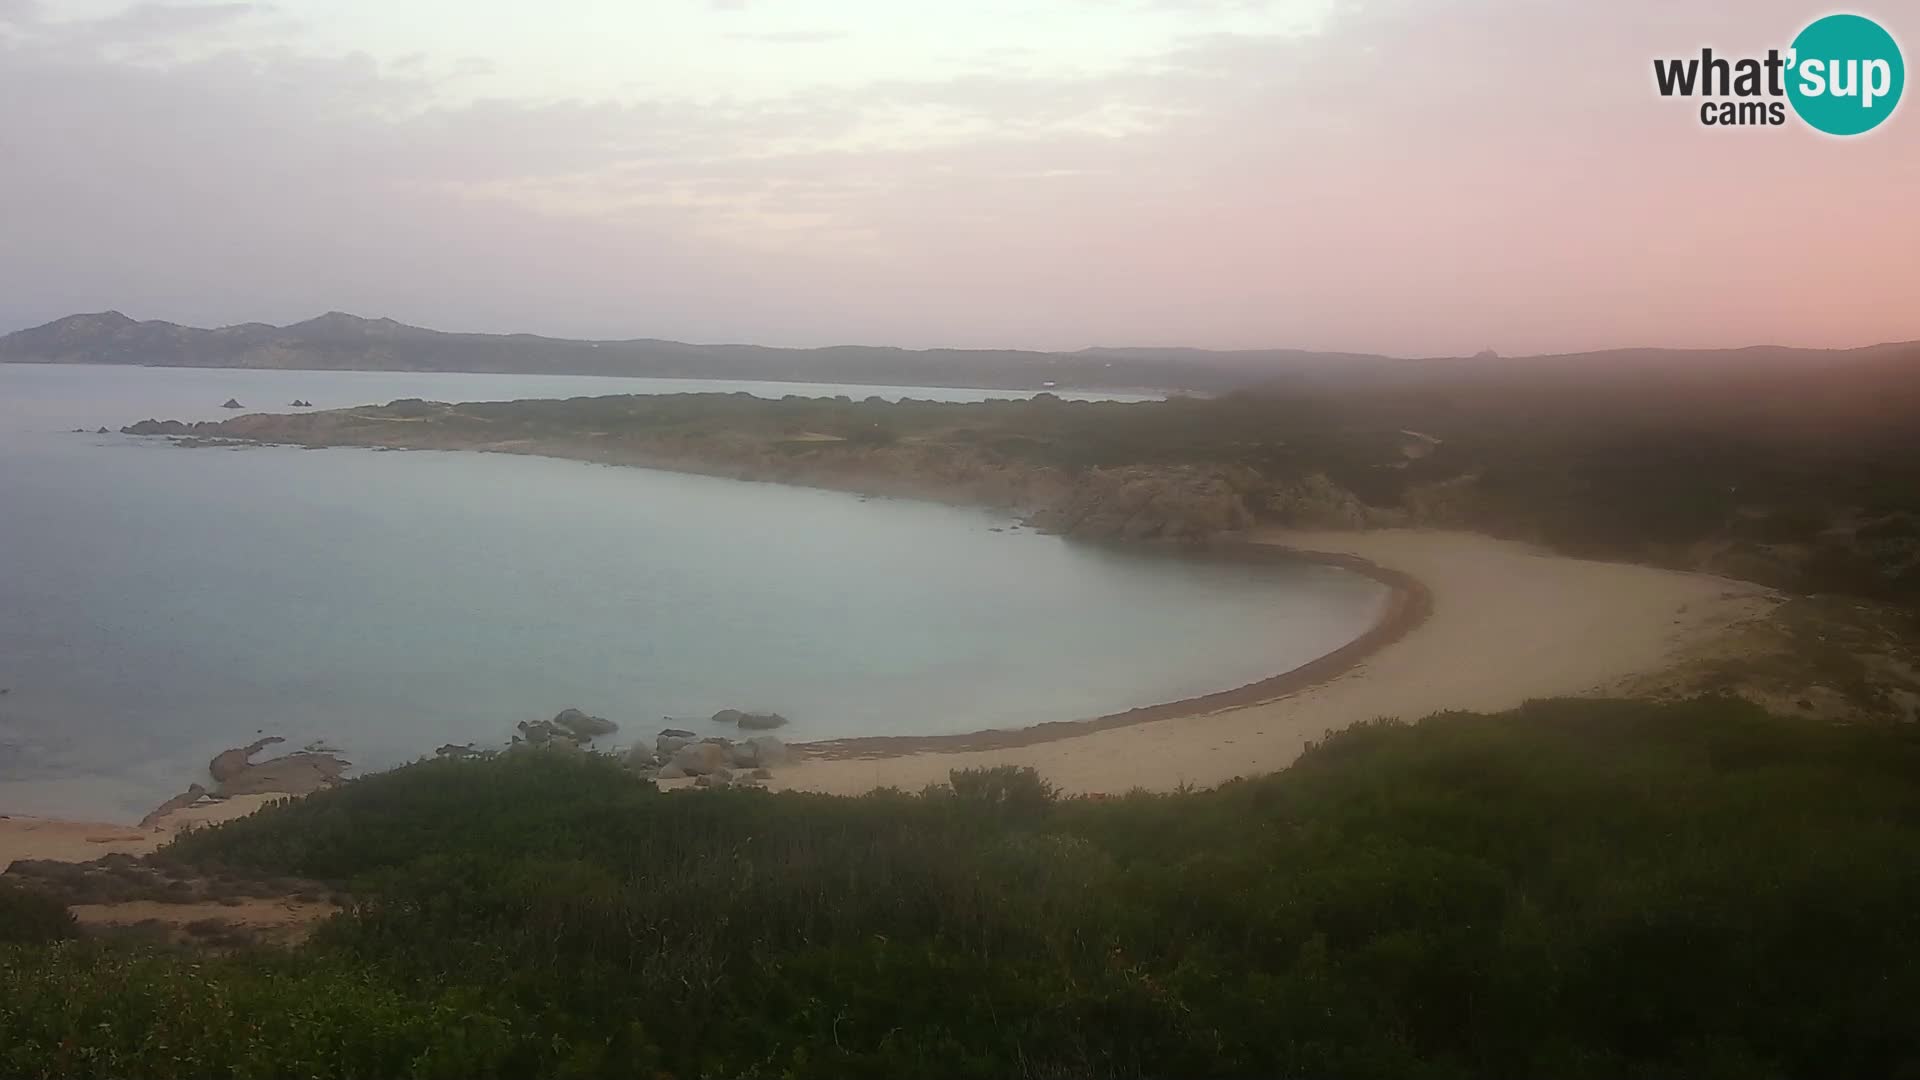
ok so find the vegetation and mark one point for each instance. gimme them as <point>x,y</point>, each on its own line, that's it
<point>1573,889</point>
<point>29,916</point>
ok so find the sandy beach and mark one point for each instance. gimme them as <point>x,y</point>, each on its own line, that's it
<point>1476,623</point>
<point>1507,623</point>
<point>79,841</point>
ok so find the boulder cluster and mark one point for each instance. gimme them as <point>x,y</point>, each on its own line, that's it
<point>570,725</point>
<point>675,754</point>
<point>712,761</point>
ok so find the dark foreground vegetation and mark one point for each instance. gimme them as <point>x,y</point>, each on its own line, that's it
<point>1575,889</point>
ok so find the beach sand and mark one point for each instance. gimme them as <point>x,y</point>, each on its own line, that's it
<point>1506,623</point>
<point>83,841</point>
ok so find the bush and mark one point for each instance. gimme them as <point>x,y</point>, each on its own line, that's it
<point>1017,791</point>
<point>28,917</point>
<point>1571,889</point>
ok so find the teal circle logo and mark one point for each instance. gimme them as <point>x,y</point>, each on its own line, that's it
<point>1845,74</point>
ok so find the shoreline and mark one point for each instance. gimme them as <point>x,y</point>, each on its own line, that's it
<point>1408,604</point>
<point>1469,622</point>
<point>1399,559</point>
<point>1484,625</point>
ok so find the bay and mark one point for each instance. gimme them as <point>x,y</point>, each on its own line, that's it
<point>158,605</point>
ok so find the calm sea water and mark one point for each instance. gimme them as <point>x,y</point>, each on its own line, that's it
<point>158,605</point>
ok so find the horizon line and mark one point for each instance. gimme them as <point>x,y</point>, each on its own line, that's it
<point>1495,354</point>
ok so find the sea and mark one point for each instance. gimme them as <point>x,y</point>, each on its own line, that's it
<point>159,604</point>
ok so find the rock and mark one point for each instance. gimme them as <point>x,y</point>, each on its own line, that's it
<point>761,750</point>
<point>155,427</point>
<point>762,773</point>
<point>231,763</point>
<point>670,771</point>
<point>699,759</point>
<point>768,750</point>
<point>671,740</point>
<point>232,403</point>
<point>582,725</point>
<point>542,732</point>
<point>296,403</point>
<point>728,716</point>
<point>456,750</point>
<point>292,774</point>
<point>762,721</point>
<point>103,431</point>
<point>193,794</point>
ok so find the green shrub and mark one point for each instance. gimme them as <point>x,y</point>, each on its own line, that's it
<point>28,917</point>
<point>1571,889</point>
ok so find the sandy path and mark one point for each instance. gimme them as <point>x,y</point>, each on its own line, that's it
<point>280,921</point>
<point>1508,623</point>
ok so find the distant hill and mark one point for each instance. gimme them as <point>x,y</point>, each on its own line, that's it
<point>339,341</point>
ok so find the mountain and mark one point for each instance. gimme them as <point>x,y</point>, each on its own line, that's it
<point>340,341</point>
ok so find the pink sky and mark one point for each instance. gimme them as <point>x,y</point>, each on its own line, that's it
<point>1402,176</point>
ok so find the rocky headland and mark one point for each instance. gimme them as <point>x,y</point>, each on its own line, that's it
<point>962,454</point>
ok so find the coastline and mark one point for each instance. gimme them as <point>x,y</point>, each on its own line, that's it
<point>1470,622</point>
<point>1403,663</point>
<point>1406,607</point>
<point>1503,623</point>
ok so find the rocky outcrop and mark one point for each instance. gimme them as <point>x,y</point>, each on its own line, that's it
<point>568,725</point>
<point>193,794</point>
<point>712,761</point>
<point>671,740</point>
<point>701,758</point>
<point>156,427</point>
<point>750,721</point>
<point>1166,503</point>
<point>1316,502</point>
<point>231,763</point>
<point>761,751</point>
<point>302,773</point>
<point>232,403</point>
<point>582,725</point>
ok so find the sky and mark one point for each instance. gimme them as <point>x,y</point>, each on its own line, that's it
<point>1413,177</point>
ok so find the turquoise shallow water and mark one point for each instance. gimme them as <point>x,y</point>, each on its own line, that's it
<point>158,605</point>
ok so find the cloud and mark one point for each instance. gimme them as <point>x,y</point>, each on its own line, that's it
<point>1406,179</point>
<point>789,37</point>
